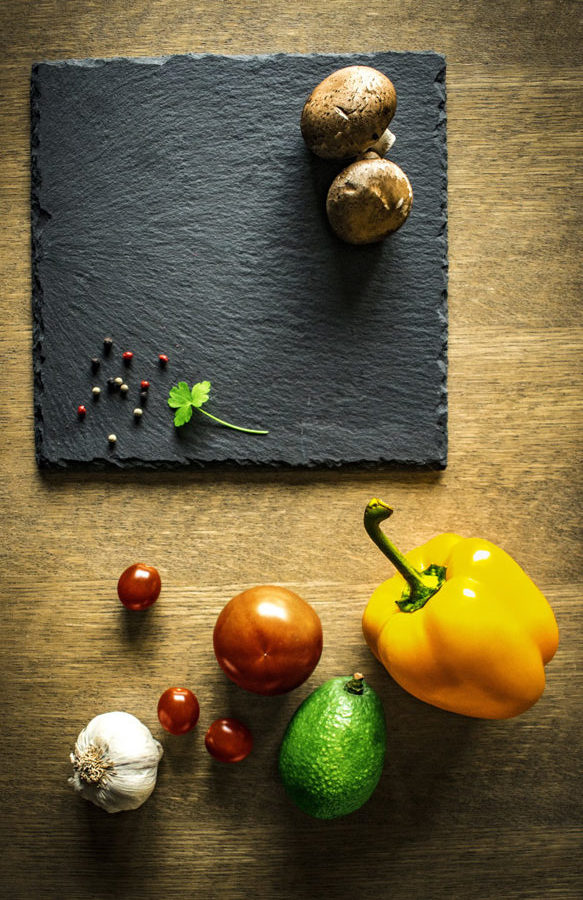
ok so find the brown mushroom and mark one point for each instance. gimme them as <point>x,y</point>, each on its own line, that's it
<point>348,113</point>
<point>368,200</point>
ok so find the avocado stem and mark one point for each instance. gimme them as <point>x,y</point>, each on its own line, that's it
<point>356,684</point>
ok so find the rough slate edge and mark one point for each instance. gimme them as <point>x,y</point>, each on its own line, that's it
<point>40,216</point>
<point>441,128</point>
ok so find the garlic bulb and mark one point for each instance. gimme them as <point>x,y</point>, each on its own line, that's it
<point>116,762</point>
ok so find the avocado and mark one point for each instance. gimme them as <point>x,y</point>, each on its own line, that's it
<point>332,754</point>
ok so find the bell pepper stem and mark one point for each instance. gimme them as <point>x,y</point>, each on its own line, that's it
<point>421,585</point>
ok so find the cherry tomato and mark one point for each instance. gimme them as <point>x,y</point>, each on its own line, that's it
<point>139,586</point>
<point>228,740</point>
<point>178,710</point>
<point>268,640</point>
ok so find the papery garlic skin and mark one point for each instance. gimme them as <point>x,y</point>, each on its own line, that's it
<point>116,762</point>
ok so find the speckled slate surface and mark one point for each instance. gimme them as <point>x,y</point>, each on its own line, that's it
<point>176,208</point>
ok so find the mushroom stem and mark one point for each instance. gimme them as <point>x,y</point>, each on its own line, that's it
<point>384,143</point>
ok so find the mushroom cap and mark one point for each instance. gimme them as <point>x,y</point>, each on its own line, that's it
<point>368,200</point>
<point>348,112</point>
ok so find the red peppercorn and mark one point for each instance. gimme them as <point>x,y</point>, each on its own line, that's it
<point>127,356</point>
<point>144,385</point>
<point>81,411</point>
<point>163,359</point>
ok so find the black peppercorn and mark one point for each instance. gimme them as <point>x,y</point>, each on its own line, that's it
<point>111,384</point>
<point>95,363</point>
<point>107,344</point>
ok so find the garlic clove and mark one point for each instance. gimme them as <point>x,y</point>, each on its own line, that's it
<point>116,762</point>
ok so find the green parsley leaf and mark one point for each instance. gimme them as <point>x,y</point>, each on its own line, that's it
<point>200,393</point>
<point>184,400</point>
<point>183,415</point>
<point>179,395</point>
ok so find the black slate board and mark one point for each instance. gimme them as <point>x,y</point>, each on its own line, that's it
<point>176,208</point>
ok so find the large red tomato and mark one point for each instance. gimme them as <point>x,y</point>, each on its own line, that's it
<point>268,640</point>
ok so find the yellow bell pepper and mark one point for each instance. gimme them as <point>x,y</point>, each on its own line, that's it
<point>461,626</point>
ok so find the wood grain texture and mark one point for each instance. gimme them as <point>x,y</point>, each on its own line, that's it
<point>465,808</point>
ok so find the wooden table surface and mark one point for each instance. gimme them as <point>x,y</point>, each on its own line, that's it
<point>465,808</point>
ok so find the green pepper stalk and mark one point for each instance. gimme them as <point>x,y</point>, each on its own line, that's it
<point>420,585</point>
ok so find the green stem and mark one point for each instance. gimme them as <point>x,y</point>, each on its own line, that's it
<point>356,684</point>
<point>420,585</point>
<point>228,424</point>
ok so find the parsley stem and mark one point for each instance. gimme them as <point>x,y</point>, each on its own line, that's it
<point>228,424</point>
